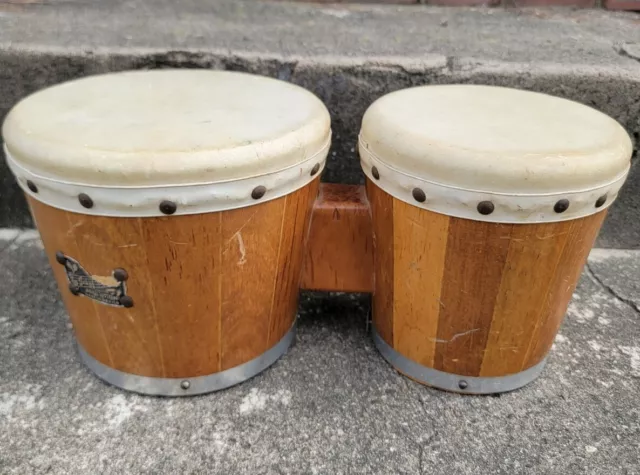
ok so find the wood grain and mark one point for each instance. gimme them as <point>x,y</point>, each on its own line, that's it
<point>339,254</point>
<point>582,235</point>
<point>383,261</point>
<point>210,291</point>
<point>57,236</point>
<point>287,279</point>
<point>420,247</point>
<point>532,262</point>
<point>476,255</point>
<point>502,289</point>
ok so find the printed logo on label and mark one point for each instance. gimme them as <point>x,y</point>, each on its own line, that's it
<point>108,290</point>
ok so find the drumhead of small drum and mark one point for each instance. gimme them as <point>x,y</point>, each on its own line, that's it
<point>490,142</point>
<point>166,127</point>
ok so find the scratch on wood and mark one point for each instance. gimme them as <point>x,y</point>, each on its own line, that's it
<point>456,336</point>
<point>241,248</point>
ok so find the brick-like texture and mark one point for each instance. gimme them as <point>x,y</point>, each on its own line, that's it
<point>622,5</point>
<point>462,3</point>
<point>550,3</point>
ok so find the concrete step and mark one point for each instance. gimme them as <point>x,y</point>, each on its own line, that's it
<point>349,55</point>
<point>330,405</point>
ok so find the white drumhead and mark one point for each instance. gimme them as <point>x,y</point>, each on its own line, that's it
<point>492,141</point>
<point>168,128</point>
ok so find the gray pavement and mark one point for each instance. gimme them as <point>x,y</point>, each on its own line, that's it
<point>331,405</point>
<point>349,55</point>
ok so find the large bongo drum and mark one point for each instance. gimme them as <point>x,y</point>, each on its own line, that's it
<point>485,204</point>
<point>173,206</point>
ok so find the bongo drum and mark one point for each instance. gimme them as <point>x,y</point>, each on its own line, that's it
<point>173,206</point>
<point>485,204</point>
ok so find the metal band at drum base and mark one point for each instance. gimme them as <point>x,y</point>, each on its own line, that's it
<point>455,382</point>
<point>189,386</point>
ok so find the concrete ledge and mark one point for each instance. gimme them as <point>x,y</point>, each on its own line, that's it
<point>330,405</point>
<point>347,55</point>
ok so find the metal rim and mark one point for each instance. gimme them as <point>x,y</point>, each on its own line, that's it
<point>489,206</point>
<point>455,382</point>
<point>188,386</point>
<point>170,199</point>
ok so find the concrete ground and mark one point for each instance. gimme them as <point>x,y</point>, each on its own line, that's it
<point>330,405</point>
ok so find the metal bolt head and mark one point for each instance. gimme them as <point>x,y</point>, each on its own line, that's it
<point>120,274</point>
<point>485,207</point>
<point>258,192</point>
<point>74,289</point>
<point>600,201</point>
<point>61,258</point>
<point>126,301</point>
<point>32,186</point>
<point>375,173</point>
<point>561,206</point>
<point>85,200</point>
<point>185,384</point>
<point>168,207</point>
<point>315,169</point>
<point>462,384</point>
<point>419,195</point>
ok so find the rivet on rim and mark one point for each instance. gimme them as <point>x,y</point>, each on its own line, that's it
<point>32,186</point>
<point>85,200</point>
<point>419,195</point>
<point>185,384</point>
<point>258,192</point>
<point>561,206</point>
<point>600,201</point>
<point>485,207</point>
<point>120,274</point>
<point>126,301</point>
<point>315,169</point>
<point>375,173</point>
<point>462,384</point>
<point>168,207</point>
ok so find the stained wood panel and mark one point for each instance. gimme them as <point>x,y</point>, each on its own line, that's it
<point>383,261</point>
<point>419,253</point>
<point>251,238</point>
<point>210,291</point>
<point>57,235</point>
<point>582,235</point>
<point>132,333</point>
<point>532,262</point>
<point>502,289</point>
<point>339,255</point>
<point>475,258</point>
<point>295,228</point>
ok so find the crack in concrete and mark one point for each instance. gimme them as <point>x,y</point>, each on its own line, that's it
<point>629,50</point>
<point>9,243</point>
<point>610,290</point>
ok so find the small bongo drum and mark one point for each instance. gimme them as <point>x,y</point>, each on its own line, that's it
<point>173,206</point>
<point>485,203</point>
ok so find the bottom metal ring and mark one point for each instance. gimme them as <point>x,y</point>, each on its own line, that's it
<point>189,386</point>
<point>455,382</point>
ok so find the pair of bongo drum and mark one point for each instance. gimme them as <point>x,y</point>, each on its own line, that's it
<point>175,205</point>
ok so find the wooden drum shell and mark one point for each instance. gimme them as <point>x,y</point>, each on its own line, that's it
<point>211,291</point>
<point>472,298</point>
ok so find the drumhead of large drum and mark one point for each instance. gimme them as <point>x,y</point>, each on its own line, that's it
<point>493,153</point>
<point>202,139</point>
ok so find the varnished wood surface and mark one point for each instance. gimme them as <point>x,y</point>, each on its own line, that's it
<point>210,291</point>
<point>339,253</point>
<point>470,297</point>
